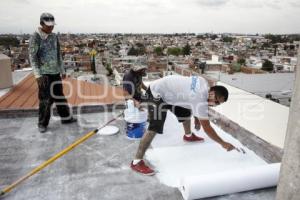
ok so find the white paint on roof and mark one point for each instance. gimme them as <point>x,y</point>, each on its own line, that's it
<point>264,118</point>
<point>174,159</point>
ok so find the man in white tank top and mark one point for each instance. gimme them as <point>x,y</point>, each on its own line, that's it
<point>184,96</point>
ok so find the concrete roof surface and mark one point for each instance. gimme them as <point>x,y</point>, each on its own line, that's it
<point>97,169</point>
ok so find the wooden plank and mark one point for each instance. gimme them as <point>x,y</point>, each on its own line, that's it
<point>16,92</point>
<point>25,95</point>
<point>79,98</point>
<point>2,98</point>
<point>66,87</point>
<point>73,90</point>
<point>32,102</point>
<point>94,88</point>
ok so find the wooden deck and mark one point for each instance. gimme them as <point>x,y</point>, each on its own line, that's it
<point>24,95</point>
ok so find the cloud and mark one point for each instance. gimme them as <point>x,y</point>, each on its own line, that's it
<point>275,4</point>
<point>212,3</point>
<point>20,1</point>
<point>295,3</point>
<point>263,4</point>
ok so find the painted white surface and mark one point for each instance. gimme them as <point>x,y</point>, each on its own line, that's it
<point>174,159</point>
<point>216,184</point>
<point>264,118</point>
<point>108,130</point>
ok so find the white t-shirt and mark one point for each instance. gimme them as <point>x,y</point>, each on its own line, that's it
<point>188,92</point>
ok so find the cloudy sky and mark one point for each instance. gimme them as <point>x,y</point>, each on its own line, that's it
<point>154,16</point>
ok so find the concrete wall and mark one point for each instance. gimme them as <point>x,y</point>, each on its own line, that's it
<point>289,182</point>
<point>6,80</point>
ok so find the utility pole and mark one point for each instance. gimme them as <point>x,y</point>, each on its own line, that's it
<point>289,181</point>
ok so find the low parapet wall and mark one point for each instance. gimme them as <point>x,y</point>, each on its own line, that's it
<point>265,150</point>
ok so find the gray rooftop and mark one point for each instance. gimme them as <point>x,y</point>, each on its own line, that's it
<point>97,169</point>
<point>279,85</point>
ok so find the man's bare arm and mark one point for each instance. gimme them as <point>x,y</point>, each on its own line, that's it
<point>214,136</point>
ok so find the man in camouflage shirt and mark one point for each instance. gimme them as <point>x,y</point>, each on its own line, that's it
<point>46,61</point>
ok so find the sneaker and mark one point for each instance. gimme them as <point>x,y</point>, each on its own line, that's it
<point>42,129</point>
<point>193,138</point>
<point>142,168</point>
<point>69,121</point>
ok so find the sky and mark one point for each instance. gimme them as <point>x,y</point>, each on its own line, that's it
<point>154,16</point>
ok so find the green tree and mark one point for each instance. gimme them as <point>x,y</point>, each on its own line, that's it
<point>186,50</point>
<point>277,38</point>
<point>200,36</point>
<point>227,39</point>
<point>141,49</point>
<point>174,51</point>
<point>158,51</point>
<point>133,52</point>
<point>213,36</point>
<point>241,61</point>
<point>138,49</point>
<point>9,41</point>
<point>236,67</point>
<point>267,66</point>
<point>109,69</point>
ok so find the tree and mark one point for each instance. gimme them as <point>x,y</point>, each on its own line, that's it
<point>109,69</point>
<point>227,39</point>
<point>213,36</point>
<point>133,52</point>
<point>198,44</point>
<point>138,50</point>
<point>267,66</point>
<point>174,51</point>
<point>186,50</point>
<point>200,37</point>
<point>236,67</point>
<point>241,61</point>
<point>141,49</point>
<point>158,51</point>
<point>9,41</point>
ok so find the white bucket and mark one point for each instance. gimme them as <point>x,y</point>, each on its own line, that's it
<point>135,123</point>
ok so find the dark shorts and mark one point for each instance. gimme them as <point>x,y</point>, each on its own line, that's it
<point>158,109</point>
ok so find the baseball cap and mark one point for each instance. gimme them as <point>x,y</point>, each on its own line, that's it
<point>138,67</point>
<point>48,19</point>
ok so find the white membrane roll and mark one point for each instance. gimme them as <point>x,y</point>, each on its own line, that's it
<point>228,182</point>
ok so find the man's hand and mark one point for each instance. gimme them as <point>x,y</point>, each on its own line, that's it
<point>137,104</point>
<point>229,146</point>
<point>63,76</point>
<point>39,80</point>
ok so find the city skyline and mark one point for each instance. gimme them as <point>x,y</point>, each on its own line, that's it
<point>154,16</point>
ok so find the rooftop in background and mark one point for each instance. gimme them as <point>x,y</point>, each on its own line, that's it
<point>279,85</point>
<point>24,94</point>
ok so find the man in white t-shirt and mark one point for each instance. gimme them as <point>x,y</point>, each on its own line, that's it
<point>184,96</point>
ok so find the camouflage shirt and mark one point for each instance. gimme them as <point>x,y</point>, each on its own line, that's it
<point>44,54</point>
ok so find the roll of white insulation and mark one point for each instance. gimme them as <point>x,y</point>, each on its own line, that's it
<point>229,182</point>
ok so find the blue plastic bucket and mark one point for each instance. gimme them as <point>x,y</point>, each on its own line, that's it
<point>135,124</point>
<point>135,130</point>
